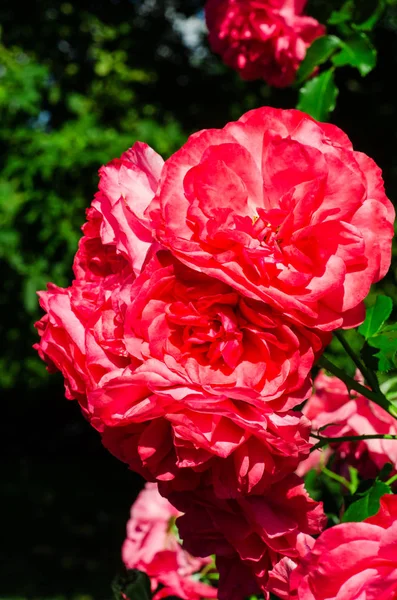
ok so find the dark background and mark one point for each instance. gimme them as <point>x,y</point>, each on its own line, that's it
<point>79,83</point>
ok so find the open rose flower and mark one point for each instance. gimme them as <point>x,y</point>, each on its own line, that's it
<point>151,546</point>
<point>261,39</point>
<point>351,414</point>
<point>211,378</point>
<point>209,337</point>
<point>282,209</point>
<point>257,531</point>
<point>79,335</point>
<point>352,561</point>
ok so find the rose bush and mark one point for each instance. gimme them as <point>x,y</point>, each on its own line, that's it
<point>151,546</point>
<point>261,39</point>
<point>352,561</point>
<point>282,209</point>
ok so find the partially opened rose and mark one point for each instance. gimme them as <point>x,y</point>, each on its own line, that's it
<point>261,39</point>
<point>282,209</point>
<point>353,561</point>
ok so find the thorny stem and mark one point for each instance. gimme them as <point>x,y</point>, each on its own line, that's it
<point>324,441</point>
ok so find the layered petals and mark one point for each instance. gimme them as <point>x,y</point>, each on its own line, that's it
<point>265,39</point>
<point>352,561</point>
<point>282,209</point>
<point>255,532</point>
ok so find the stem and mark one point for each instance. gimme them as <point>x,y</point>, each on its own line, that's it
<point>391,480</point>
<point>352,384</point>
<point>324,441</point>
<point>368,374</point>
<point>336,477</point>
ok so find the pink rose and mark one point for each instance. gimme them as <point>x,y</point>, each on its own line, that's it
<point>261,39</point>
<point>151,546</point>
<point>351,414</point>
<point>282,209</point>
<point>80,334</point>
<point>209,337</point>
<point>117,230</point>
<point>257,531</point>
<point>353,561</point>
<point>208,371</point>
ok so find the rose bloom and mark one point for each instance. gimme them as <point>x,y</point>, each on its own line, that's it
<point>215,371</point>
<point>151,546</point>
<point>261,39</point>
<point>282,209</point>
<point>248,535</point>
<point>184,377</point>
<point>350,414</point>
<point>79,335</point>
<point>352,561</point>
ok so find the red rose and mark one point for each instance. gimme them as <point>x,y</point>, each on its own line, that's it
<point>352,561</point>
<point>257,530</point>
<point>261,39</point>
<point>282,209</point>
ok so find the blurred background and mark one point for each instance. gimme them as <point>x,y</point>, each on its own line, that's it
<point>80,82</point>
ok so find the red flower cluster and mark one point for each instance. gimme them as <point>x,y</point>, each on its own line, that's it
<point>205,288</point>
<point>261,39</point>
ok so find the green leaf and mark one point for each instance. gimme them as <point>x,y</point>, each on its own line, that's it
<point>318,96</point>
<point>357,52</point>
<point>368,505</point>
<point>135,585</point>
<point>372,18</point>
<point>386,343</point>
<point>376,316</point>
<point>343,15</point>
<point>318,53</point>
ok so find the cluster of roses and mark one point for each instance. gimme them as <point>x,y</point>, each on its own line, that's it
<point>351,561</point>
<point>261,39</point>
<point>205,289</point>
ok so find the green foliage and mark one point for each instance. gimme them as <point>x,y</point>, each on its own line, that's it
<point>386,344</point>
<point>376,316</point>
<point>54,135</point>
<point>357,51</point>
<point>368,504</point>
<point>318,96</point>
<point>318,53</point>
